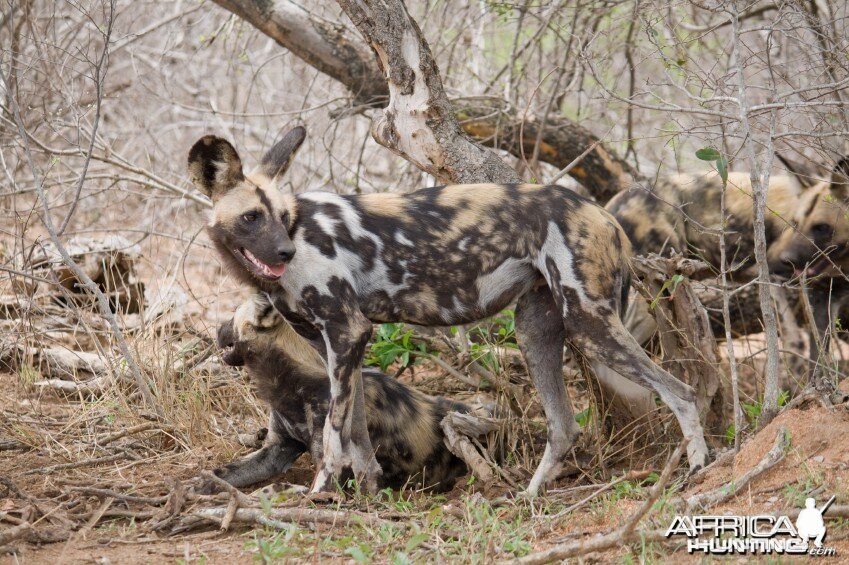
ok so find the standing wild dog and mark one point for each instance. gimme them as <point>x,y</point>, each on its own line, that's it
<point>438,256</point>
<point>403,423</point>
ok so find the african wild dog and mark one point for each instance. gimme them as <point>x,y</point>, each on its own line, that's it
<point>681,213</point>
<point>438,256</point>
<point>403,423</point>
<point>817,245</point>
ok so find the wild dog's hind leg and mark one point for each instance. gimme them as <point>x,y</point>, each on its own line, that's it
<point>540,332</point>
<point>604,341</point>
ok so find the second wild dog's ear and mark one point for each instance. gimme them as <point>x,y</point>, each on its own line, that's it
<point>840,180</point>
<point>214,166</point>
<point>276,160</point>
<point>805,175</point>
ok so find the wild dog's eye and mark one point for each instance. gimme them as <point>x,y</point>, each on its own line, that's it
<point>285,218</point>
<point>821,229</point>
<point>250,217</point>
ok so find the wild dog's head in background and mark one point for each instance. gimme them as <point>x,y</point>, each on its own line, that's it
<point>819,238</point>
<point>252,219</point>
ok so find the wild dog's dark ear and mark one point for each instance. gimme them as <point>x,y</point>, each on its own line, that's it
<point>276,160</point>
<point>214,166</point>
<point>840,180</point>
<point>805,175</point>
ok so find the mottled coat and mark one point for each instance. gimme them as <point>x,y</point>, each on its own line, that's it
<point>403,423</point>
<point>681,213</point>
<point>439,256</point>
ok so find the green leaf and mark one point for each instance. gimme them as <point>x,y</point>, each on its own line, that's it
<point>357,554</point>
<point>722,168</point>
<point>416,541</point>
<point>708,154</point>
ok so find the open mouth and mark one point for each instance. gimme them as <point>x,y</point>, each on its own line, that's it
<point>258,268</point>
<point>230,354</point>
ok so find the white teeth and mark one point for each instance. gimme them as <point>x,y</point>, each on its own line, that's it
<point>258,264</point>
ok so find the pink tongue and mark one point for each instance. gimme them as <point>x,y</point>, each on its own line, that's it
<point>278,270</point>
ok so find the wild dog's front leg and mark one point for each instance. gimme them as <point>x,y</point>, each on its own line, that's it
<point>274,458</point>
<point>346,440</point>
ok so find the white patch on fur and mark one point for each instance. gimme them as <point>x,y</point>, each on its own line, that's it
<point>326,223</point>
<point>493,285</point>
<point>463,244</point>
<point>402,239</point>
<point>556,248</point>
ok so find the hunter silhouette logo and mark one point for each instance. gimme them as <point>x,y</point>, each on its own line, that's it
<point>810,524</point>
<point>756,535</point>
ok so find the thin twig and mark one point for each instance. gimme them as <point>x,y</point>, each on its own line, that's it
<point>77,464</point>
<point>726,491</point>
<point>618,537</point>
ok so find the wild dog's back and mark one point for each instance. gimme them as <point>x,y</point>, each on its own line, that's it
<point>682,213</point>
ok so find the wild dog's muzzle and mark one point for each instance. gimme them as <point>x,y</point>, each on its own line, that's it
<point>231,353</point>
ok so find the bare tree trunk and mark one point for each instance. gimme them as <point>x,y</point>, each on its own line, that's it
<point>419,123</point>
<point>322,45</point>
<point>496,123</point>
<point>760,185</point>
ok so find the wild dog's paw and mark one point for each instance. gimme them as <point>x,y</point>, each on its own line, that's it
<point>208,486</point>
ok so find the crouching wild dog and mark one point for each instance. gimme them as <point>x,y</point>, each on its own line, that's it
<point>403,424</point>
<point>439,256</point>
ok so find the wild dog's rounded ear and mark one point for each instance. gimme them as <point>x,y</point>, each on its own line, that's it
<point>214,166</point>
<point>804,174</point>
<point>276,160</point>
<point>840,180</point>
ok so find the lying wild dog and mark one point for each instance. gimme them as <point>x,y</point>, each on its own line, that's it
<point>403,423</point>
<point>439,256</point>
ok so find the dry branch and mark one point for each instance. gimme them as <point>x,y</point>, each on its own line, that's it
<point>490,120</point>
<point>418,123</point>
<point>458,428</point>
<point>770,459</point>
<point>689,348</point>
<point>15,532</point>
<point>282,517</point>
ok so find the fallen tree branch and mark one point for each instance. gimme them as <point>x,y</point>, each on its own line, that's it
<point>15,532</point>
<point>458,429</point>
<point>770,459</point>
<point>77,464</point>
<point>280,518</point>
